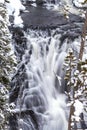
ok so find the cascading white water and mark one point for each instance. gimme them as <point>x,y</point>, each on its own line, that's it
<point>40,100</point>
<point>43,96</point>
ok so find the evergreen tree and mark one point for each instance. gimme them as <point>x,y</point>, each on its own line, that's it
<point>6,65</point>
<point>76,77</point>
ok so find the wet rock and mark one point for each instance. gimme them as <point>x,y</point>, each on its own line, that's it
<point>19,81</point>
<point>19,41</point>
<point>27,116</point>
<point>13,122</point>
<point>70,36</point>
<point>40,2</point>
<point>18,31</point>
<point>41,18</point>
<point>13,94</point>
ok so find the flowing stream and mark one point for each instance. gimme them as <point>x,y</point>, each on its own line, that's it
<point>38,85</point>
<point>42,89</point>
<point>43,96</point>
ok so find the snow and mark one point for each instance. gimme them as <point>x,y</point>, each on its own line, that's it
<point>1,19</point>
<point>78,109</point>
<point>76,72</point>
<point>34,4</point>
<point>12,105</point>
<point>77,118</point>
<point>2,1</point>
<point>21,120</point>
<point>78,93</point>
<point>14,8</point>
<point>18,21</point>
<point>79,3</point>
<point>69,104</point>
<point>1,116</point>
<point>84,57</point>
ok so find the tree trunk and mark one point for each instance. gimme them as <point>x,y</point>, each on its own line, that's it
<point>70,115</point>
<point>83,37</point>
<point>80,57</point>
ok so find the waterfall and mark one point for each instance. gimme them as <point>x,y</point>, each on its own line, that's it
<point>42,96</point>
<point>39,83</point>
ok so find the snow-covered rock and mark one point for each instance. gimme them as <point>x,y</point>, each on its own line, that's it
<point>14,8</point>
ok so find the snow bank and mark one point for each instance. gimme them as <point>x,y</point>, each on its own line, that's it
<point>79,3</point>
<point>2,1</point>
<point>14,8</point>
<point>78,109</point>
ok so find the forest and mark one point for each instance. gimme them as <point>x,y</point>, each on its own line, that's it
<point>43,64</point>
